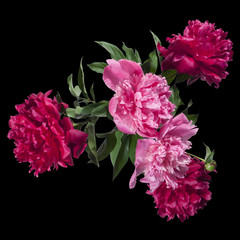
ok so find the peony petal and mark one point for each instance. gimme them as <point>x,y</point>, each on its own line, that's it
<point>185,64</point>
<point>77,139</point>
<point>140,162</point>
<point>123,122</point>
<point>66,124</point>
<point>118,71</point>
<point>182,127</point>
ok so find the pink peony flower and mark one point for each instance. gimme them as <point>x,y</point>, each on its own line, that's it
<point>191,194</point>
<point>201,52</point>
<point>41,137</point>
<point>141,102</point>
<point>164,159</point>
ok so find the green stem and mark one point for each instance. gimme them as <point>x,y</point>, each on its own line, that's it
<point>196,156</point>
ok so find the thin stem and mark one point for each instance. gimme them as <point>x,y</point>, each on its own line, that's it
<point>195,156</point>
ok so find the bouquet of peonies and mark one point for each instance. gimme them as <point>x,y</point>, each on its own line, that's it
<point>150,130</point>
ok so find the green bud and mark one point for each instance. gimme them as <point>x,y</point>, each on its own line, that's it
<point>211,166</point>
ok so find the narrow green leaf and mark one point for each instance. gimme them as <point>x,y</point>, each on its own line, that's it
<point>75,91</point>
<point>106,147</point>
<point>192,117</point>
<point>97,66</point>
<point>122,156</point>
<point>81,82</point>
<point>92,145</point>
<point>146,66</point>
<point>114,153</point>
<point>170,75</point>
<point>101,110</point>
<point>58,97</point>
<point>131,55</point>
<point>138,58</point>
<point>70,112</point>
<point>114,51</point>
<point>181,77</point>
<point>78,110</point>
<point>104,135</point>
<point>175,98</point>
<point>59,100</point>
<point>157,41</point>
<point>209,154</point>
<point>89,108</point>
<point>92,93</point>
<point>153,62</point>
<point>132,146</point>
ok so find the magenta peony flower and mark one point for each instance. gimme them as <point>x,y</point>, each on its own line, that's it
<point>141,102</point>
<point>41,137</point>
<point>201,52</point>
<point>191,194</point>
<point>164,159</point>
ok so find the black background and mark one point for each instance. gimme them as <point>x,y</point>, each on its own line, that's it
<point>42,45</point>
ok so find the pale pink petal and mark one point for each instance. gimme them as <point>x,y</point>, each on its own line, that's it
<point>118,71</point>
<point>141,161</point>
<point>124,123</point>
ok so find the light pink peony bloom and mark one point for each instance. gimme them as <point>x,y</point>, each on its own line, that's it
<point>191,194</point>
<point>201,52</point>
<point>141,102</point>
<point>164,159</point>
<point>41,137</point>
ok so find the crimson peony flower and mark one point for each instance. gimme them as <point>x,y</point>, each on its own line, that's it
<point>201,52</point>
<point>191,194</point>
<point>41,137</point>
<point>141,102</point>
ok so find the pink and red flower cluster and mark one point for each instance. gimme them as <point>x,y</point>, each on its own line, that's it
<point>41,137</point>
<point>141,105</point>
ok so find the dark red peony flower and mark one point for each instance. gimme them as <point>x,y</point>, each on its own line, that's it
<point>191,194</point>
<point>201,52</point>
<point>41,137</point>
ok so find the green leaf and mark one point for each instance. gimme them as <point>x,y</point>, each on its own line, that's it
<point>107,146</point>
<point>209,154</point>
<point>101,110</point>
<point>156,41</point>
<point>92,145</point>
<point>175,98</point>
<point>122,156</point>
<point>138,58</point>
<point>114,51</point>
<point>114,153</point>
<point>81,82</point>
<point>75,91</point>
<point>192,117</point>
<point>104,135</point>
<point>150,65</point>
<point>92,93</point>
<point>153,62</point>
<point>146,66</point>
<point>70,112</point>
<point>97,66</point>
<point>89,108</point>
<point>59,100</point>
<point>170,75</point>
<point>131,55</point>
<point>181,77</point>
<point>132,146</point>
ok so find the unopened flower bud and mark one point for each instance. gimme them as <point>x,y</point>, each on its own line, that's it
<point>211,166</point>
